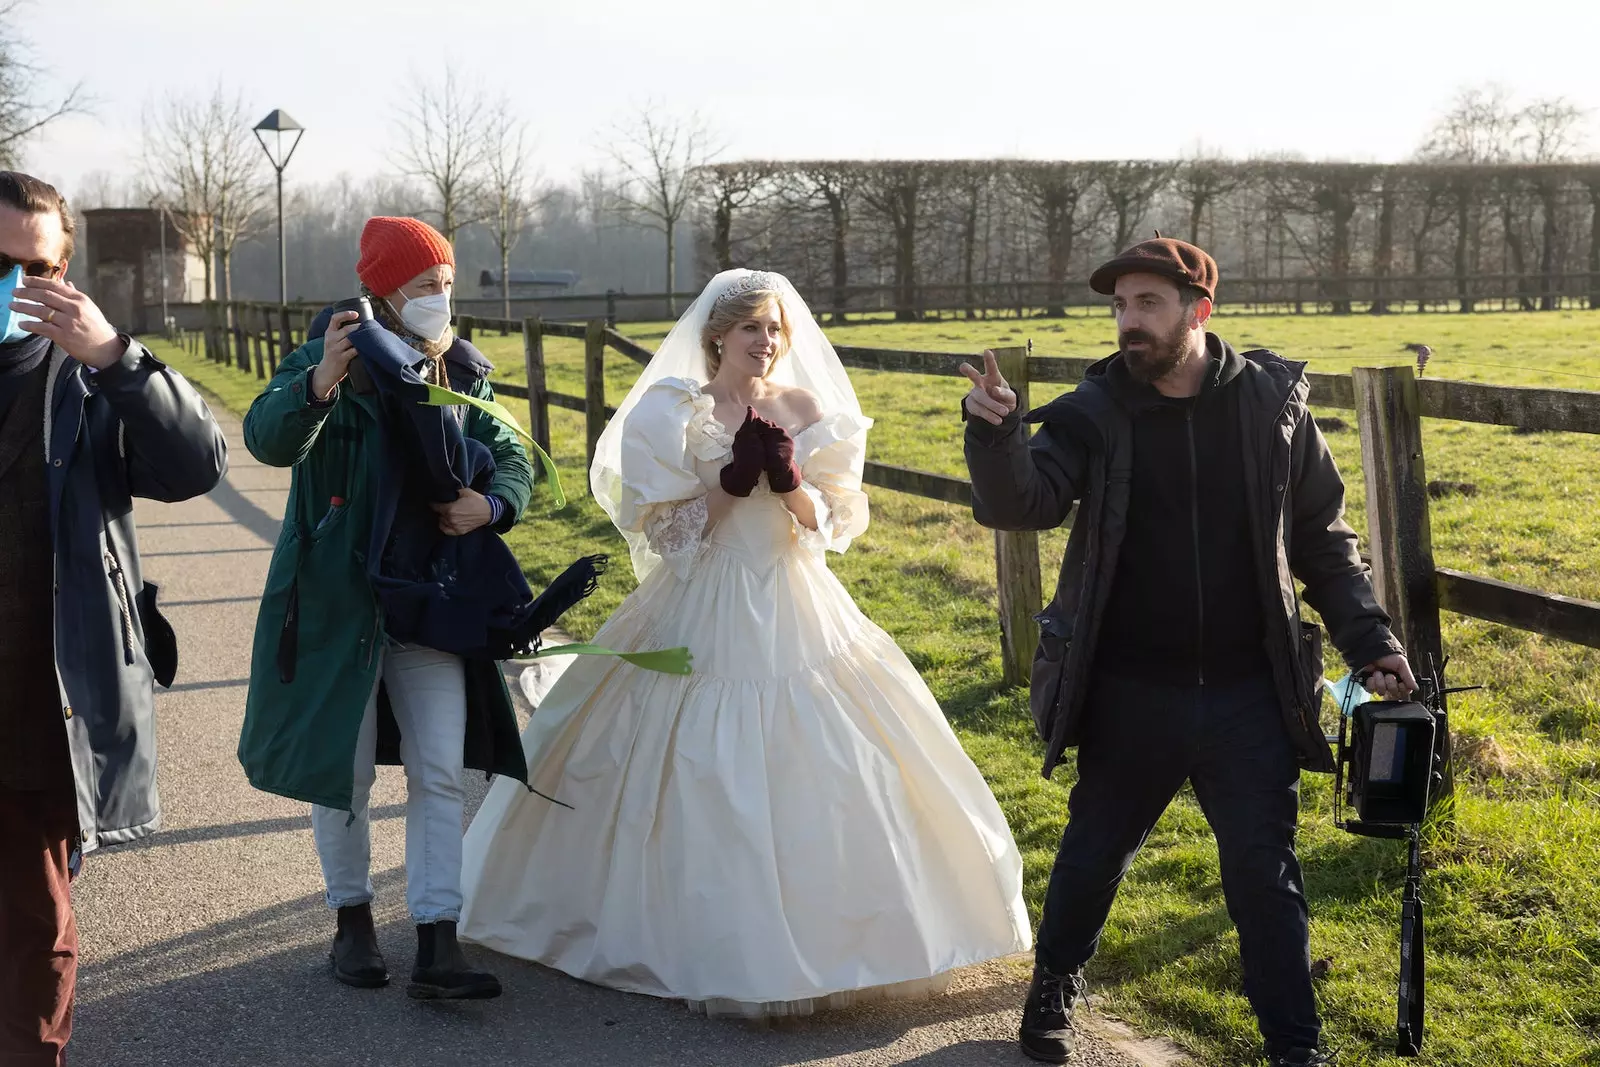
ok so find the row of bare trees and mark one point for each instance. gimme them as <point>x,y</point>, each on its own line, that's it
<point>1495,188</point>
<point>970,224</point>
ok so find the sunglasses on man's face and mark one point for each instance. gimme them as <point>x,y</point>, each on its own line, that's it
<point>33,268</point>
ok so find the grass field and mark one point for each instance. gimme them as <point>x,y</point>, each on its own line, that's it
<point>1513,903</point>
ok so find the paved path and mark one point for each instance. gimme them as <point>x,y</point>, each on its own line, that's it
<point>206,944</point>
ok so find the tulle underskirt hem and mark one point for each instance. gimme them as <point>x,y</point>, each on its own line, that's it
<point>916,989</point>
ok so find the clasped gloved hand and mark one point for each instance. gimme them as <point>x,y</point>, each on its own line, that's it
<point>783,474</point>
<point>743,471</point>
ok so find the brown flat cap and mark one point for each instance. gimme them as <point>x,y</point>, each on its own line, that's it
<point>1178,260</point>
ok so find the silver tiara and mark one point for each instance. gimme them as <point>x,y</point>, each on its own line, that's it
<point>756,279</point>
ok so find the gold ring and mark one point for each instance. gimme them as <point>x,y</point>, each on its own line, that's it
<point>52,316</point>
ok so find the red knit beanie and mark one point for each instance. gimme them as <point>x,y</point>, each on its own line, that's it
<point>395,250</point>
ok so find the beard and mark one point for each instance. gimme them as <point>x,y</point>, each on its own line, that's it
<point>1161,355</point>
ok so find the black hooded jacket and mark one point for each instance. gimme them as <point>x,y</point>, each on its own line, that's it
<point>1084,454</point>
<point>1184,606</point>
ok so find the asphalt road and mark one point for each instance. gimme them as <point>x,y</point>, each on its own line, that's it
<point>206,944</point>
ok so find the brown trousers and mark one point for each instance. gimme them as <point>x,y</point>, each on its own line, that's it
<point>38,935</point>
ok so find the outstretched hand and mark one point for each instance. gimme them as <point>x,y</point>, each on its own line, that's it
<point>990,398</point>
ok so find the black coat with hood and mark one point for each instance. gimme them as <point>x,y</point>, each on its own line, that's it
<point>1082,454</point>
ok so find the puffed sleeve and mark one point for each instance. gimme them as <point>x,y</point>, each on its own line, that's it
<point>662,495</point>
<point>831,452</point>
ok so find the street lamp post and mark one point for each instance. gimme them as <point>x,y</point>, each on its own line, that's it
<point>161,221</point>
<point>278,123</point>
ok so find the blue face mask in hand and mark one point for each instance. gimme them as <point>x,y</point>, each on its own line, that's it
<point>12,321</point>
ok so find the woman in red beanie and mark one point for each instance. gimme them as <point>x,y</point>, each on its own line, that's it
<point>351,696</point>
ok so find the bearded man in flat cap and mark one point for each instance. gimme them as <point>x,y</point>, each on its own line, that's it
<point>1174,649</point>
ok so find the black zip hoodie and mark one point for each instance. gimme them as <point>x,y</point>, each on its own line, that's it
<point>1184,608</point>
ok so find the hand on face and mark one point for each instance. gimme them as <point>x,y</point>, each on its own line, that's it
<point>990,398</point>
<point>68,318</point>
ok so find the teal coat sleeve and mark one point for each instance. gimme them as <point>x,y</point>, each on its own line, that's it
<point>281,426</point>
<point>513,477</point>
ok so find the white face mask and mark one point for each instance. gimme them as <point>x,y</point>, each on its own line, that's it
<point>427,316</point>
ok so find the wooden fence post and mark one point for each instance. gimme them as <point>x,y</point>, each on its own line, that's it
<point>219,333</point>
<point>285,337</point>
<point>594,384</point>
<point>257,353</point>
<point>464,327</point>
<point>538,393</point>
<point>1388,411</point>
<point>241,350</point>
<point>1016,557</point>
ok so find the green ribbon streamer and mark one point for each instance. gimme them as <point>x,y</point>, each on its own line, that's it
<point>665,660</point>
<point>439,397</point>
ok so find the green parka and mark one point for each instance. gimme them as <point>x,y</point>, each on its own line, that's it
<point>299,737</point>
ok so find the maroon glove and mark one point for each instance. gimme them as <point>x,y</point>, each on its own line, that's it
<point>743,471</point>
<point>783,474</point>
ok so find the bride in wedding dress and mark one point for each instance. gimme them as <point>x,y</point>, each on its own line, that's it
<point>794,825</point>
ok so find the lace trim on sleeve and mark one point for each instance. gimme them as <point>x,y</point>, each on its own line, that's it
<point>834,513</point>
<point>674,532</point>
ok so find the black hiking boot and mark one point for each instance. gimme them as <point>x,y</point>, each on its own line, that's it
<point>356,959</point>
<point>1047,1034</point>
<point>442,972</point>
<point>1302,1057</point>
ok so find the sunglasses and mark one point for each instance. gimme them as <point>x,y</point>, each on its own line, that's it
<point>33,268</point>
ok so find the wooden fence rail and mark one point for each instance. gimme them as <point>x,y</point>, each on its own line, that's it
<point>1568,410</point>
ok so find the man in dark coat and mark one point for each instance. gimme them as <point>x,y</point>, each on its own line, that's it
<point>88,420</point>
<point>1174,649</point>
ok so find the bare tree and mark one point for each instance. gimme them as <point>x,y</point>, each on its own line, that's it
<point>444,133</point>
<point>1130,186</point>
<point>896,191</point>
<point>833,186</point>
<point>205,165</point>
<point>972,187</point>
<point>1202,181</point>
<point>509,190</point>
<point>1480,126</point>
<point>1553,132</point>
<point>22,112</point>
<point>729,188</point>
<point>1055,192</point>
<point>661,162</point>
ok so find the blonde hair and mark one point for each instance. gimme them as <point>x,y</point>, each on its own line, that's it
<point>729,311</point>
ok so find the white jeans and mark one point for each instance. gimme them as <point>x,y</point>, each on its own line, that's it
<point>427,692</point>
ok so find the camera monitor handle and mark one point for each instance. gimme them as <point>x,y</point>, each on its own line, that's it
<point>1410,1014</point>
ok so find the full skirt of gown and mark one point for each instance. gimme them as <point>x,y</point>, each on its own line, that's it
<point>793,826</point>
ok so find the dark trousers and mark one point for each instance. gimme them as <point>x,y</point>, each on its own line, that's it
<point>38,936</point>
<point>1141,742</point>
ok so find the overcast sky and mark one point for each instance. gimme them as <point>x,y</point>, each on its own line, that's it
<point>1357,79</point>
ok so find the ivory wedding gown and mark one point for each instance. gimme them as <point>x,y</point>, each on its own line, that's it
<point>792,826</point>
